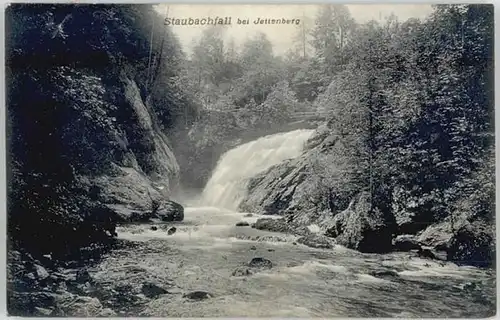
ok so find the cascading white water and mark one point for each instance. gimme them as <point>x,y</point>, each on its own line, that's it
<point>227,185</point>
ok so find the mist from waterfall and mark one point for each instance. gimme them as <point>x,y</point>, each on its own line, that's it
<point>228,184</point>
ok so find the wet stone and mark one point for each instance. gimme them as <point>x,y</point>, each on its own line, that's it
<point>242,224</point>
<point>171,231</point>
<point>197,295</point>
<point>83,276</point>
<point>154,228</point>
<point>261,263</point>
<point>41,273</point>
<point>384,274</point>
<point>152,290</point>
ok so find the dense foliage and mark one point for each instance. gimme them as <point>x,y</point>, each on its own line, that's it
<point>409,112</point>
<point>70,115</point>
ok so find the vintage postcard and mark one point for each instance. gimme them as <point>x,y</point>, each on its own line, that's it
<point>174,160</point>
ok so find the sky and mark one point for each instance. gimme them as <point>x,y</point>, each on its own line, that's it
<point>280,35</point>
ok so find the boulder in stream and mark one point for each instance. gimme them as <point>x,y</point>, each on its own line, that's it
<point>274,225</point>
<point>83,276</point>
<point>363,228</point>
<point>171,211</point>
<point>171,231</point>
<point>260,263</point>
<point>316,241</point>
<point>41,272</point>
<point>406,242</point>
<point>152,290</point>
<point>197,295</point>
<point>242,224</point>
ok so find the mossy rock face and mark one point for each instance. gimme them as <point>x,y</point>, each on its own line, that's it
<point>171,211</point>
<point>362,228</point>
<point>472,245</point>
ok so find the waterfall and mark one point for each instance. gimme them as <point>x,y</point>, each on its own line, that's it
<point>228,184</point>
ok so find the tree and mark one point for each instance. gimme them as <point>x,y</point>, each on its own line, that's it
<point>334,27</point>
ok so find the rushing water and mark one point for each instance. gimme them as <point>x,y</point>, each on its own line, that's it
<point>226,187</point>
<point>303,282</point>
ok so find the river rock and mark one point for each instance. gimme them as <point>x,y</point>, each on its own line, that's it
<point>384,274</point>
<point>472,244</point>
<point>316,241</point>
<point>154,228</point>
<point>437,236</point>
<point>362,228</point>
<point>197,295</point>
<point>41,273</point>
<point>171,211</point>
<point>83,276</point>
<point>406,242</point>
<point>242,224</point>
<point>248,215</point>
<point>260,263</point>
<point>274,225</point>
<point>426,253</point>
<point>171,231</point>
<point>24,303</point>
<point>152,290</point>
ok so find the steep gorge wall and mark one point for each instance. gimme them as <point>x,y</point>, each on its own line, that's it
<point>82,130</point>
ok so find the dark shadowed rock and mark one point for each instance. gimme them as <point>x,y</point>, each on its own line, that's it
<point>274,225</point>
<point>152,290</point>
<point>242,224</point>
<point>138,216</point>
<point>338,224</point>
<point>24,303</point>
<point>472,244</point>
<point>260,263</point>
<point>426,253</point>
<point>83,276</point>
<point>197,295</point>
<point>406,242</point>
<point>171,231</point>
<point>171,211</point>
<point>241,272</point>
<point>154,228</point>
<point>362,227</point>
<point>253,248</point>
<point>316,241</point>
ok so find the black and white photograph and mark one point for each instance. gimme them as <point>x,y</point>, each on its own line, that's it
<point>250,160</point>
